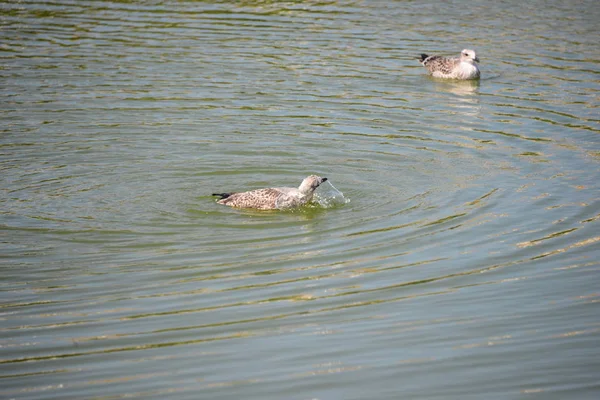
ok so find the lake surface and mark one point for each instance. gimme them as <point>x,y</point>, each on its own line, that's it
<point>464,265</point>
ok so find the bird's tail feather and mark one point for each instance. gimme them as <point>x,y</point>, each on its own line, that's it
<point>222,195</point>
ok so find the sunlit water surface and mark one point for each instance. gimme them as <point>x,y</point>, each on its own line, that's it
<point>462,263</point>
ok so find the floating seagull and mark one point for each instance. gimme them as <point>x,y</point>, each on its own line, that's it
<point>463,67</point>
<point>273,198</point>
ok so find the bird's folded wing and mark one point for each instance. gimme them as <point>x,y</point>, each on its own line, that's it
<point>261,198</point>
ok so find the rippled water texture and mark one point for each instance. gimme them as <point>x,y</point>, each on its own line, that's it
<point>464,264</point>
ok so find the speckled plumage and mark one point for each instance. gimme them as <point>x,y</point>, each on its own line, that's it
<point>273,198</point>
<point>462,67</point>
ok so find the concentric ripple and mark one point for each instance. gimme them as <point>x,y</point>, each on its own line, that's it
<point>456,254</point>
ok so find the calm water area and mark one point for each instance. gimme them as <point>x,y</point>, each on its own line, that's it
<point>464,264</point>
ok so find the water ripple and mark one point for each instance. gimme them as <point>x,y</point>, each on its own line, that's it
<point>467,242</point>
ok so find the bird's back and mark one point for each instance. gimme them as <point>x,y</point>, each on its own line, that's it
<point>261,198</point>
<point>439,65</point>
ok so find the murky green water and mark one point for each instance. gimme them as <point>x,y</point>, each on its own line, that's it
<point>465,265</point>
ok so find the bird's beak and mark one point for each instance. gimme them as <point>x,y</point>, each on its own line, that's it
<point>324,179</point>
<point>476,59</point>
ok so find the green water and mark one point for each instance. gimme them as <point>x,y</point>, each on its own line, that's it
<point>465,263</point>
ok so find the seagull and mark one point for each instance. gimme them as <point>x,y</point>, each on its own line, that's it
<point>273,198</point>
<point>463,67</point>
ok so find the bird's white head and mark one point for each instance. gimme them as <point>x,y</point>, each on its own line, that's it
<point>311,183</point>
<point>468,55</point>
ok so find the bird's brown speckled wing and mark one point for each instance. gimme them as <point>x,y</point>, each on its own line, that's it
<point>441,64</point>
<point>262,199</point>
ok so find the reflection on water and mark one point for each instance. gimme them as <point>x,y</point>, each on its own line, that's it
<point>465,98</point>
<point>465,91</point>
<point>455,255</point>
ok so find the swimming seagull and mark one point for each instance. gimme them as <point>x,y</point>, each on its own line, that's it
<point>463,67</point>
<point>273,198</point>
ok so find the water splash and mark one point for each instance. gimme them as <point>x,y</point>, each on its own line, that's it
<point>329,196</point>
